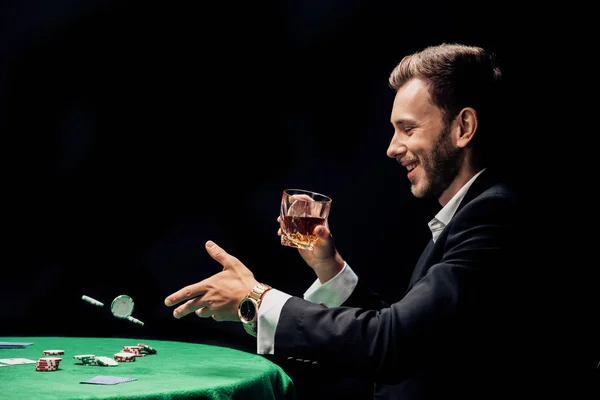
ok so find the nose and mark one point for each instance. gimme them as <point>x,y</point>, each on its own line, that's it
<point>396,148</point>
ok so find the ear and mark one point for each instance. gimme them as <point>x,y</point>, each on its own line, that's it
<point>467,126</point>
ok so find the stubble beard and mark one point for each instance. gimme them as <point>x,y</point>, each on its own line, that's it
<point>440,167</point>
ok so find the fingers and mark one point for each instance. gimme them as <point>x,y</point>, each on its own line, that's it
<point>204,312</point>
<point>219,255</point>
<point>189,307</point>
<point>186,293</point>
<point>198,289</point>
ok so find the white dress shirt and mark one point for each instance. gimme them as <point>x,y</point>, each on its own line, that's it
<point>334,292</point>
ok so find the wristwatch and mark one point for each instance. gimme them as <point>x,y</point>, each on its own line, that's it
<point>248,307</point>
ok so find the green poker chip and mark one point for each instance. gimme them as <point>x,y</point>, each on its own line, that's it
<point>122,306</point>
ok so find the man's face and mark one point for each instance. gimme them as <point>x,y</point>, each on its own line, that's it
<point>422,142</point>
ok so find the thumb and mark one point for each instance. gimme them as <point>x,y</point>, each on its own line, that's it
<point>217,253</point>
<point>321,231</point>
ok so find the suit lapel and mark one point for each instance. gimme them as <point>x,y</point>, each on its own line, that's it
<point>422,264</point>
<point>431,254</point>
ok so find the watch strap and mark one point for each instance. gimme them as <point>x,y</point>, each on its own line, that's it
<point>256,294</point>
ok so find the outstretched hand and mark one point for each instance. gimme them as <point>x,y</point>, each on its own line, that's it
<point>217,296</point>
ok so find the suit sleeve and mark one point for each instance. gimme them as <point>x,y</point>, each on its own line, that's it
<point>445,309</point>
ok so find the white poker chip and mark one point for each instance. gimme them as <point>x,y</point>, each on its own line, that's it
<point>53,352</point>
<point>107,361</point>
<point>122,306</point>
<point>82,356</point>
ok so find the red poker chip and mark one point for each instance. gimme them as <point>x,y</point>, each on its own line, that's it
<point>125,354</point>
<point>132,349</point>
<point>147,348</point>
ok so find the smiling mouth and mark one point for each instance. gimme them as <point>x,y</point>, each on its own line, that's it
<point>412,166</point>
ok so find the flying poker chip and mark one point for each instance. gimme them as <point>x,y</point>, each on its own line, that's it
<point>135,320</point>
<point>53,352</point>
<point>122,306</point>
<point>90,300</point>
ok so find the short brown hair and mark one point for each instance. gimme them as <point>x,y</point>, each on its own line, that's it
<point>458,76</point>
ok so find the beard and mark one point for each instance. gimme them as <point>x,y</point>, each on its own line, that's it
<point>441,165</point>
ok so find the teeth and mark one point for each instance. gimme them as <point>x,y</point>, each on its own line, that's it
<point>412,166</point>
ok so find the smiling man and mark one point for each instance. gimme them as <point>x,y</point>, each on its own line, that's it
<point>449,333</point>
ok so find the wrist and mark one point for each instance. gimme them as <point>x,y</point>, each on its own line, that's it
<point>330,269</point>
<point>248,307</point>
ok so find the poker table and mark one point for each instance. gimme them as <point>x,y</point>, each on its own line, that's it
<point>178,370</point>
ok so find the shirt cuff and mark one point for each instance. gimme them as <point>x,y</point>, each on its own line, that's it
<point>268,317</point>
<point>332,294</point>
<point>335,291</point>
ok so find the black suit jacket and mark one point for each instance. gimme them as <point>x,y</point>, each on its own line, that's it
<point>456,332</point>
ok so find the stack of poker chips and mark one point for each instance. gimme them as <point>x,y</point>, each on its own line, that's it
<point>125,356</point>
<point>136,350</point>
<point>47,364</point>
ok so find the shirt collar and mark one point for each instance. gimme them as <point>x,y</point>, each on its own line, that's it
<point>443,217</point>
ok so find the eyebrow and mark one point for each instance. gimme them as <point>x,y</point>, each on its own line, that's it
<point>403,121</point>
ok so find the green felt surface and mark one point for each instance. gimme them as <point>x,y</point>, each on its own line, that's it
<point>179,370</point>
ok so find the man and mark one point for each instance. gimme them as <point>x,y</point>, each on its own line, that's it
<point>448,335</point>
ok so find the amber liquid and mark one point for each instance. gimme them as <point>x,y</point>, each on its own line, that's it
<point>300,231</point>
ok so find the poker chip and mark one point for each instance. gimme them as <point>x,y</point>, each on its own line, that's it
<point>53,352</point>
<point>147,349</point>
<point>45,364</point>
<point>50,359</point>
<point>136,350</point>
<point>92,301</point>
<point>133,349</point>
<point>122,306</point>
<point>87,359</point>
<point>81,356</point>
<point>134,320</point>
<point>106,361</point>
<point>124,356</point>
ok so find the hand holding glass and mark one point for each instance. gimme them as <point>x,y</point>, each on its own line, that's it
<point>302,211</point>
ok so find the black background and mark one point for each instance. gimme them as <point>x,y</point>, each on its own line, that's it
<point>135,131</point>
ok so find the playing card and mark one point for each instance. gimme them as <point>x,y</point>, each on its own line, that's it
<point>14,345</point>
<point>16,361</point>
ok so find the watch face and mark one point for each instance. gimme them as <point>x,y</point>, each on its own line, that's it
<point>247,310</point>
